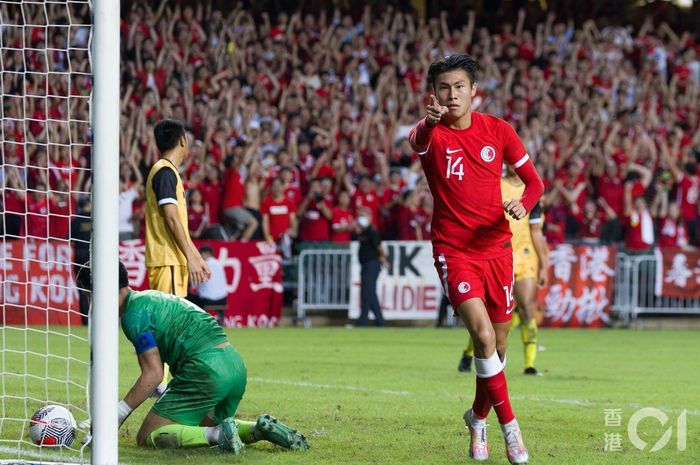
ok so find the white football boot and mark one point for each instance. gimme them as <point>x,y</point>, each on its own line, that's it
<point>478,445</point>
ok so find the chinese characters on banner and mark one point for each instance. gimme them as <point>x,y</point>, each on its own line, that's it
<point>409,290</point>
<point>580,287</point>
<point>677,273</point>
<point>38,286</point>
<point>253,278</point>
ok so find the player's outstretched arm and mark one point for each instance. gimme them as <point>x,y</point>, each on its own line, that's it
<point>419,137</point>
<point>151,375</point>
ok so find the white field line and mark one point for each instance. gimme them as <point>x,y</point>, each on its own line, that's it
<point>28,453</point>
<point>577,402</point>
<point>328,386</point>
<point>42,456</point>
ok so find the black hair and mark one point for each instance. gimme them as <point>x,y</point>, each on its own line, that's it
<point>457,61</point>
<point>168,133</point>
<point>83,279</point>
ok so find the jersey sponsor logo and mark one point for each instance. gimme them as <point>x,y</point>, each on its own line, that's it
<point>463,287</point>
<point>488,154</point>
<point>279,210</point>
<point>450,151</point>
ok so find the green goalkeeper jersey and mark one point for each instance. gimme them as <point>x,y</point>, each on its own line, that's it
<point>179,328</point>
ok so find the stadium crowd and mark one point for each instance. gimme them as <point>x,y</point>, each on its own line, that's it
<point>300,120</point>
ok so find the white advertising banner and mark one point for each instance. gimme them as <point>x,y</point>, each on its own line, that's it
<point>409,290</point>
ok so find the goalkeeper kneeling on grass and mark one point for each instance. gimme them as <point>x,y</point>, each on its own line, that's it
<point>209,376</point>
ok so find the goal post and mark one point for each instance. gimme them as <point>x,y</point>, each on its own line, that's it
<point>105,239</point>
<point>59,164</point>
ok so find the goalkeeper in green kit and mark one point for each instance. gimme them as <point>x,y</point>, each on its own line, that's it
<point>209,376</point>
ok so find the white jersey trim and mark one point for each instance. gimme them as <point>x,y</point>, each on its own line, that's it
<point>425,151</point>
<point>167,200</point>
<point>521,162</point>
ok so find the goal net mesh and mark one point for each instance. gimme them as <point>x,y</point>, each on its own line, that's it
<point>46,181</point>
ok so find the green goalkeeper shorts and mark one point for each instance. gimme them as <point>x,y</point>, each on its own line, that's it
<point>212,381</point>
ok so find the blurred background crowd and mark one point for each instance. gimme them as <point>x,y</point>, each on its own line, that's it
<point>299,118</point>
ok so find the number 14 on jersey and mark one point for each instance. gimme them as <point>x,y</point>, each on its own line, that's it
<point>455,168</point>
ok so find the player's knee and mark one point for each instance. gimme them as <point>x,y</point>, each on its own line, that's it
<point>527,310</point>
<point>484,341</point>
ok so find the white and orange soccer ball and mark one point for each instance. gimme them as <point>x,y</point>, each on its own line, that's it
<point>52,425</point>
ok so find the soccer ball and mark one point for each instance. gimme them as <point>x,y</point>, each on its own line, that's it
<point>53,425</point>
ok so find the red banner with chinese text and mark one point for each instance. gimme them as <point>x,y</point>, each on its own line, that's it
<point>580,289</point>
<point>253,278</point>
<point>37,284</point>
<point>677,273</point>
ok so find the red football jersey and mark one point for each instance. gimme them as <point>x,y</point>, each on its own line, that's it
<point>463,169</point>
<point>688,193</point>
<point>341,218</point>
<point>278,212</point>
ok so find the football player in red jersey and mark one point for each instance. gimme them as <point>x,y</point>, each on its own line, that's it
<point>462,152</point>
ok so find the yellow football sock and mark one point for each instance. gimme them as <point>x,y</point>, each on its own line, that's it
<point>178,436</point>
<point>245,431</point>
<point>166,372</point>
<point>528,334</point>
<point>469,351</point>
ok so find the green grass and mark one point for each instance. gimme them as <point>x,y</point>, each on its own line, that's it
<point>394,396</point>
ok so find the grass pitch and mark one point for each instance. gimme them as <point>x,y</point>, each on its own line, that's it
<point>394,396</point>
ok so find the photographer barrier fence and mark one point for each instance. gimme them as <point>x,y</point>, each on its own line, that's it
<point>324,284</point>
<point>643,284</point>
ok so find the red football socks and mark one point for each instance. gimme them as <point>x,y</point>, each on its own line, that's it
<point>497,390</point>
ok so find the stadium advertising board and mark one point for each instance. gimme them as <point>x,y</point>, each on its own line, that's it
<point>677,273</point>
<point>38,286</point>
<point>410,290</point>
<point>580,290</point>
<point>253,279</point>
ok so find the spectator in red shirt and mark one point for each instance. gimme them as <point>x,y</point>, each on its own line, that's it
<point>197,213</point>
<point>423,218</point>
<point>610,189</point>
<point>672,232</point>
<point>592,218</point>
<point>37,212</point>
<point>211,190</point>
<point>365,196</point>
<point>315,215</point>
<point>241,223</point>
<point>278,214</point>
<point>687,192</point>
<point>639,224</point>
<point>343,222</point>
<point>61,207</point>
<point>408,227</point>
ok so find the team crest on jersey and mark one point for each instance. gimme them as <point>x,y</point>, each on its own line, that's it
<point>463,287</point>
<point>488,154</point>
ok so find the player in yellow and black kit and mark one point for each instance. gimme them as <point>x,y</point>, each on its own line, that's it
<point>171,257</point>
<point>530,264</point>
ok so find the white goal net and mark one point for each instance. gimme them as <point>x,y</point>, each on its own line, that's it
<point>45,174</point>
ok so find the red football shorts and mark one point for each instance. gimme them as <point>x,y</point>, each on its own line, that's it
<point>490,280</point>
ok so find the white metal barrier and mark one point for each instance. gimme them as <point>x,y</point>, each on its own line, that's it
<point>324,281</point>
<point>635,280</point>
<point>324,284</point>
